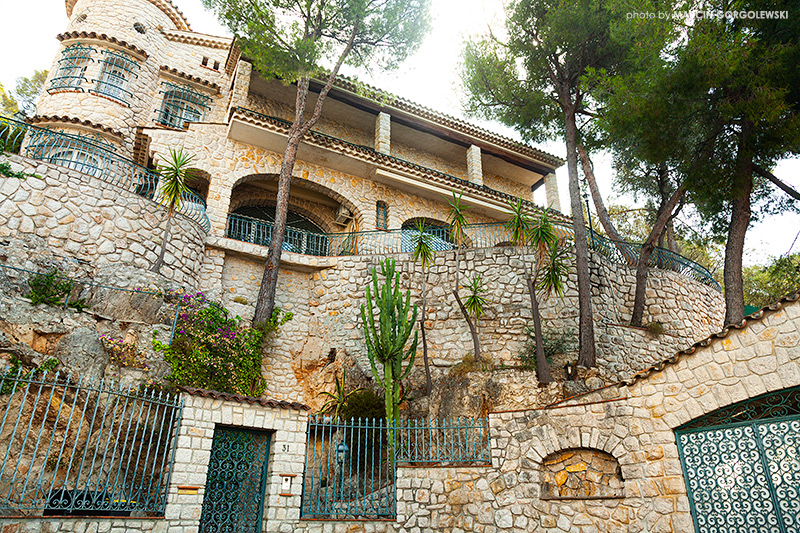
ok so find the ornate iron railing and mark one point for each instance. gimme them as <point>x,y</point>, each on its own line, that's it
<point>446,441</point>
<point>256,231</point>
<point>79,447</point>
<point>349,470</point>
<point>78,153</point>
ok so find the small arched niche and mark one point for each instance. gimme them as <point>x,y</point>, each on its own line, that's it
<point>581,474</point>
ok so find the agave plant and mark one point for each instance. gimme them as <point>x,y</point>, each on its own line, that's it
<point>338,398</point>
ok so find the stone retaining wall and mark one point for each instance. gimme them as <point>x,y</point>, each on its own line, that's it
<point>326,305</point>
<point>86,218</point>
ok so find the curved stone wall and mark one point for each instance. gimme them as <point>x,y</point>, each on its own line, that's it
<point>79,216</point>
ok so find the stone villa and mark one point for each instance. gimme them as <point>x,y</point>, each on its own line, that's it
<point>640,451</point>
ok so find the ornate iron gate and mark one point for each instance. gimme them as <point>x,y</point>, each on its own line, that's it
<point>237,476</point>
<point>741,464</point>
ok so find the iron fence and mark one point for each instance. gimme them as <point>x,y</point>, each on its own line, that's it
<point>349,470</point>
<point>256,231</point>
<point>92,158</point>
<point>77,447</point>
<point>444,441</point>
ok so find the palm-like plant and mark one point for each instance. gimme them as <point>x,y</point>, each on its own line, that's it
<point>337,399</point>
<point>422,245</point>
<point>458,232</point>
<point>172,190</point>
<point>475,303</point>
<point>548,274</point>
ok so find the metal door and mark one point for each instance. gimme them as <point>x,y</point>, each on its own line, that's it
<point>236,480</point>
<point>741,465</point>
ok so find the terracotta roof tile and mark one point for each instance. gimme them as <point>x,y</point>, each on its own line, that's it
<point>39,119</point>
<point>102,37</point>
<point>266,402</point>
<point>370,155</point>
<point>188,77</point>
<point>758,316</point>
<point>198,39</point>
<point>348,84</point>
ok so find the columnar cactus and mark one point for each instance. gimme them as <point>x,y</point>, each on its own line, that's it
<point>387,337</point>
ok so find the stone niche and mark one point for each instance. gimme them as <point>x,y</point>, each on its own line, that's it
<point>581,474</point>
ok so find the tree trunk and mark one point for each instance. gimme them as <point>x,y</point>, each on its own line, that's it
<point>734,249</point>
<point>586,351</point>
<point>599,206</point>
<point>269,282</point>
<point>428,384</point>
<point>476,344</point>
<point>542,368</point>
<point>764,173</point>
<point>160,261</point>
<point>664,216</point>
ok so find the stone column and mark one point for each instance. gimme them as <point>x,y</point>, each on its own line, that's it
<point>474,165</point>
<point>241,84</point>
<point>383,133</point>
<point>551,189</point>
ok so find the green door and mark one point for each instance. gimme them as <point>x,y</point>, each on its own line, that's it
<point>742,466</point>
<point>236,480</point>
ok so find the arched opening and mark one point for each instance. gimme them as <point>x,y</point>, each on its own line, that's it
<point>198,181</point>
<point>439,230</point>
<point>741,464</point>
<point>581,473</point>
<point>254,223</point>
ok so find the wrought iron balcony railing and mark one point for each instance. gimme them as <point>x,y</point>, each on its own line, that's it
<point>90,157</point>
<point>253,230</point>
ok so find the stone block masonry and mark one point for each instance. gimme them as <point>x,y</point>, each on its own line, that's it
<point>326,305</point>
<point>80,216</point>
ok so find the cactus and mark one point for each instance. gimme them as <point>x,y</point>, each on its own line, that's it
<point>386,339</point>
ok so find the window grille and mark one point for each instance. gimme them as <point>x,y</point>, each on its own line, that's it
<point>72,67</point>
<point>381,215</point>
<point>115,76</point>
<point>181,104</point>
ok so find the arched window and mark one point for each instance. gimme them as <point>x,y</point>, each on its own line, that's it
<point>254,224</point>
<point>181,104</point>
<point>115,76</point>
<point>71,67</point>
<point>442,240</point>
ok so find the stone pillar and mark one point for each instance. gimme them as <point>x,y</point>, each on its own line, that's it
<point>241,84</point>
<point>383,133</point>
<point>551,189</point>
<point>474,165</point>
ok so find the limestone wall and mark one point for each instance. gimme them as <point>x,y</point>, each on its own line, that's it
<point>88,219</point>
<point>327,303</point>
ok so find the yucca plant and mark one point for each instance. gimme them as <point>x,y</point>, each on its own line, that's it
<point>549,272</point>
<point>422,246</point>
<point>171,191</point>
<point>458,232</point>
<point>475,304</point>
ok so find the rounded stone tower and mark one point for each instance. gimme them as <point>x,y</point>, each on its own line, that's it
<point>108,77</point>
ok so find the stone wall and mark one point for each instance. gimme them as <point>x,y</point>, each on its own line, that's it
<point>200,416</point>
<point>327,303</point>
<point>88,219</point>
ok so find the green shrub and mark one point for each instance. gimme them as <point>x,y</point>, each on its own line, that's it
<point>50,289</point>
<point>15,369</point>
<point>555,343</point>
<point>212,350</point>
<point>363,404</point>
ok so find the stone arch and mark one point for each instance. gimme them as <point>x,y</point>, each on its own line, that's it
<point>585,473</point>
<point>199,182</point>
<point>299,182</point>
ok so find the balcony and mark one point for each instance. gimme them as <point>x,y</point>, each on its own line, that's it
<point>93,157</point>
<point>380,242</point>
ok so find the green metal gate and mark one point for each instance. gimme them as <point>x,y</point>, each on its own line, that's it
<point>741,464</point>
<point>236,480</point>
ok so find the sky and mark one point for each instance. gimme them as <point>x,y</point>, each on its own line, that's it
<point>430,77</point>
